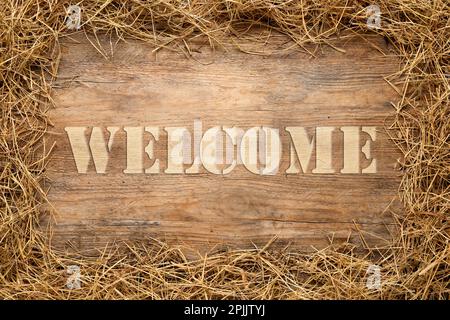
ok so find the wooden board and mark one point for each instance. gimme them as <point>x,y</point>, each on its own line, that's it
<point>140,87</point>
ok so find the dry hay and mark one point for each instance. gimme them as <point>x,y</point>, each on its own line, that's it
<point>414,266</point>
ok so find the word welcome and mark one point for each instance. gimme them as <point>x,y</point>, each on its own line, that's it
<point>220,149</point>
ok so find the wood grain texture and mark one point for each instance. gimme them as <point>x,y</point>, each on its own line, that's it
<point>139,87</point>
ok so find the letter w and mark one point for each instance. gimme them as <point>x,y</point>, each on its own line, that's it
<point>97,147</point>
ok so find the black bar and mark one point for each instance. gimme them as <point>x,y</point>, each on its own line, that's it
<point>234,309</point>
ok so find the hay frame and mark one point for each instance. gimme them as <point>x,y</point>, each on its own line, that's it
<point>414,266</point>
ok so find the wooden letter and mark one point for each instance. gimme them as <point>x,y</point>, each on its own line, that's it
<point>301,149</point>
<point>351,150</point>
<point>154,131</point>
<point>211,150</point>
<point>234,135</point>
<point>249,150</point>
<point>176,149</point>
<point>272,148</point>
<point>324,150</point>
<point>195,168</point>
<point>97,147</point>
<point>136,149</point>
<point>372,167</point>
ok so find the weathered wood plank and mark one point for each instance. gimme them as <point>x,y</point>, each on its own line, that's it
<point>141,88</point>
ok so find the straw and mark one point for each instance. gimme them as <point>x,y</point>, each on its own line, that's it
<point>414,265</point>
